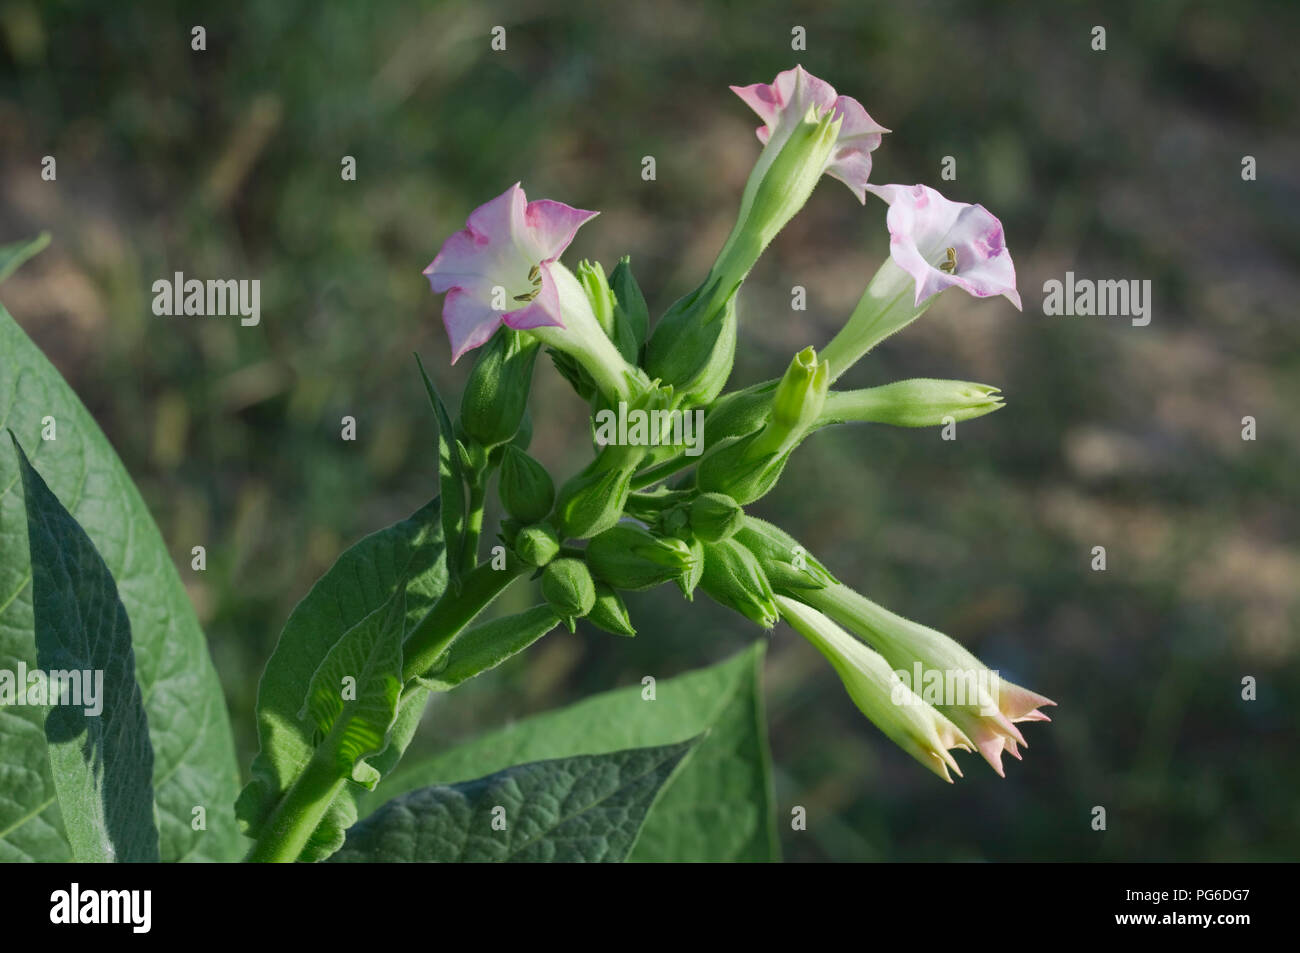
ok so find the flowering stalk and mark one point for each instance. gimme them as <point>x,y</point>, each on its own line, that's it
<point>595,537</point>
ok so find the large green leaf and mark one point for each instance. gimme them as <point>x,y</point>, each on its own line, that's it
<point>587,808</point>
<point>717,808</point>
<point>362,580</point>
<point>96,728</point>
<point>194,759</point>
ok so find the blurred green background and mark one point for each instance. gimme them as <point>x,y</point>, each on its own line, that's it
<point>1117,164</point>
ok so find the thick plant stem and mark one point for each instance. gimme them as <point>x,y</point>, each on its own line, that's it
<point>452,613</point>
<point>300,810</point>
<point>474,521</point>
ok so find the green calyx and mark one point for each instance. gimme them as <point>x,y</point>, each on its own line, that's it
<point>715,516</point>
<point>496,394</point>
<point>786,563</point>
<point>526,489</point>
<point>631,558</point>
<point>733,577</point>
<point>537,545</point>
<point>568,588</point>
<point>610,613</point>
<point>747,467</point>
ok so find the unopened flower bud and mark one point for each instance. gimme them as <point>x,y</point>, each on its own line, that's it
<point>629,557</point>
<point>800,395</point>
<point>694,343</point>
<point>610,613</point>
<point>537,545</point>
<point>912,403</point>
<point>526,489</point>
<point>715,516</point>
<point>733,577</point>
<point>745,468</point>
<point>496,393</point>
<point>568,588</point>
<point>592,501</point>
<point>740,412</point>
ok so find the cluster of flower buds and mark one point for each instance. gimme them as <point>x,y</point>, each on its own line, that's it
<point>618,524</point>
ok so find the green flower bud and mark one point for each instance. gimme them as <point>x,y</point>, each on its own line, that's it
<point>740,412</point>
<point>592,501</point>
<point>800,396</point>
<point>694,343</point>
<point>629,557</point>
<point>913,403</point>
<point>787,565</point>
<point>745,468</point>
<point>526,489</point>
<point>736,468</point>
<point>496,394</point>
<point>733,577</point>
<point>631,316</point>
<point>537,545</point>
<point>715,516</point>
<point>568,588</point>
<point>610,613</point>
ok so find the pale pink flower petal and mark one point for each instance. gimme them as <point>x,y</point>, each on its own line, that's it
<point>553,224</point>
<point>544,310</point>
<point>1020,704</point>
<point>469,321</point>
<point>494,270</point>
<point>944,244</point>
<point>785,102</point>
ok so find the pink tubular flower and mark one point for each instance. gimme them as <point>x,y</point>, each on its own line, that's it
<point>983,706</point>
<point>498,269</point>
<point>942,244</point>
<point>785,102</point>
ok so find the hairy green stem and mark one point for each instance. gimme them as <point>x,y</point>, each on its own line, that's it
<point>299,812</point>
<point>453,612</point>
<point>474,521</point>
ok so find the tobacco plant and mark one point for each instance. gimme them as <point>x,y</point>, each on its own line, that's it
<point>141,766</point>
